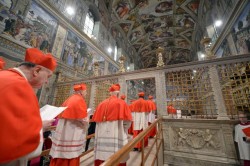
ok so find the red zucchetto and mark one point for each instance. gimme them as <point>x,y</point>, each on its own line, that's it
<point>141,94</point>
<point>114,87</point>
<point>37,57</point>
<point>80,87</point>
<point>150,97</point>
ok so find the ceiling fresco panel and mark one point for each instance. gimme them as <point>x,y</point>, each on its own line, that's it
<point>149,24</point>
<point>193,6</point>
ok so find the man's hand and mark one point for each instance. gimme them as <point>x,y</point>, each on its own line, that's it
<point>47,124</point>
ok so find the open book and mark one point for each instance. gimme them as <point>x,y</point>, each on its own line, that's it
<point>49,112</point>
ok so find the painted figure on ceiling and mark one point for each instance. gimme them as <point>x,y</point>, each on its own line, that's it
<point>114,32</point>
<point>194,6</point>
<point>122,9</point>
<point>125,27</point>
<point>135,35</point>
<point>141,3</point>
<point>164,7</point>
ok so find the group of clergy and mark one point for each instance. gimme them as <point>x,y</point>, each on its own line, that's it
<point>22,128</point>
<point>114,118</point>
<point>143,113</point>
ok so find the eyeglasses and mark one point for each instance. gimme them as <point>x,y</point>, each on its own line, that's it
<point>242,117</point>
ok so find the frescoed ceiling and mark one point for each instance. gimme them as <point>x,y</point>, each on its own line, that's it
<point>149,24</point>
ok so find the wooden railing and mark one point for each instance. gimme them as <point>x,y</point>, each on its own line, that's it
<point>116,158</point>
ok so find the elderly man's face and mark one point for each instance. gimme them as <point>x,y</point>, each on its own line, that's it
<point>83,93</point>
<point>40,76</point>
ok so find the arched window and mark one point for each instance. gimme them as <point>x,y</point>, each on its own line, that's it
<point>89,24</point>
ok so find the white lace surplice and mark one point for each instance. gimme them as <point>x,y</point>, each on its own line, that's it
<point>140,120</point>
<point>110,136</point>
<point>69,138</point>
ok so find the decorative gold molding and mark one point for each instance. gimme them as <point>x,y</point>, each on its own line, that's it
<point>159,52</point>
<point>122,62</point>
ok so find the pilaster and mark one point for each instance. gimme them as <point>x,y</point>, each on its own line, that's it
<point>218,96</point>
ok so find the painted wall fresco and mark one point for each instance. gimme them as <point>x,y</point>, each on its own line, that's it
<point>28,24</point>
<point>32,26</point>
<point>241,31</point>
<point>81,56</point>
<point>76,53</point>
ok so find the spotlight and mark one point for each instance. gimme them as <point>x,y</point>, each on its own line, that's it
<point>218,23</point>
<point>70,10</point>
<point>109,50</point>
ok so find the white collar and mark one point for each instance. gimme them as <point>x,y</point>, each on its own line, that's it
<point>20,71</point>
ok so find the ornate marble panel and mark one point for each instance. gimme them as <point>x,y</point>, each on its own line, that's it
<point>198,142</point>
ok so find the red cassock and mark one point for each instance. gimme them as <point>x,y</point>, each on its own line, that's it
<point>140,105</point>
<point>152,105</point>
<point>108,110</point>
<point>76,109</point>
<point>19,115</point>
<point>111,109</point>
<point>65,162</point>
<point>171,109</point>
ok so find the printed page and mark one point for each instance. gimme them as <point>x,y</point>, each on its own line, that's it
<point>49,112</point>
